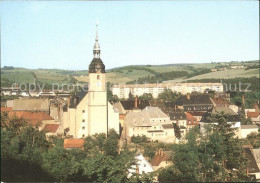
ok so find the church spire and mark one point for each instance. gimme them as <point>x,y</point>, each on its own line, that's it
<point>96,65</point>
<point>96,50</point>
<point>96,32</point>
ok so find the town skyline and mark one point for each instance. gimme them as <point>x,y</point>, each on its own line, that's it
<point>63,40</point>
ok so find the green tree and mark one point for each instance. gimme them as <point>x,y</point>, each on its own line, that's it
<point>168,95</point>
<point>216,155</point>
<point>146,96</point>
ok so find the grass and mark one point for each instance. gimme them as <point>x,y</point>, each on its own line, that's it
<point>18,76</point>
<point>49,76</point>
<point>225,74</point>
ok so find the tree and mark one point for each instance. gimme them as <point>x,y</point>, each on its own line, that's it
<point>235,163</point>
<point>26,155</point>
<point>177,131</point>
<point>21,148</point>
<point>146,96</point>
<point>139,139</point>
<point>168,95</point>
<point>215,155</point>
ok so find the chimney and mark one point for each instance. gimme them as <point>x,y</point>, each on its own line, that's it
<point>160,152</point>
<point>68,102</point>
<point>243,99</point>
<point>135,102</point>
<point>188,96</point>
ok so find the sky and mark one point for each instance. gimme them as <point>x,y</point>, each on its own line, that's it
<point>61,34</point>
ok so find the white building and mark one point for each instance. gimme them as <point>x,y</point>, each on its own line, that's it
<point>89,112</point>
<point>142,166</point>
<point>123,90</point>
<point>248,129</point>
<point>151,122</point>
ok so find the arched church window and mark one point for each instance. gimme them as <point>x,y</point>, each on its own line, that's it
<point>98,77</point>
<point>83,120</point>
<point>83,128</point>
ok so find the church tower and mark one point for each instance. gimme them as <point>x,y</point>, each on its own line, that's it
<point>97,95</point>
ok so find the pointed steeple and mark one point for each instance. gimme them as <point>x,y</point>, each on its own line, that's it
<point>96,65</point>
<point>96,50</point>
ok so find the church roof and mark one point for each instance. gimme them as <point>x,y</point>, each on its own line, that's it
<point>96,65</point>
<point>76,99</point>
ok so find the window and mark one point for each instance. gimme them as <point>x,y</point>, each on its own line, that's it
<point>83,120</point>
<point>98,77</point>
<point>144,165</point>
<point>83,135</point>
<point>83,111</point>
<point>83,128</point>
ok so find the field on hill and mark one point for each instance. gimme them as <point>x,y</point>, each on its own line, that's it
<point>225,74</point>
<point>132,73</point>
<point>119,77</point>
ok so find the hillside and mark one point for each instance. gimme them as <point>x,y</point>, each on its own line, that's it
<point>149,73</point>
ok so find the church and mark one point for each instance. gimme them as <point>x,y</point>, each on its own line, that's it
<point>89,112</point>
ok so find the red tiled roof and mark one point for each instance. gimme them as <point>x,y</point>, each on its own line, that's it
<point>32,118</point>
<point>253,114</point>
<point>51,127</point>
<point>158,158</point>
<point>189,116</point>
<point>6,109</point>
<point>73,143</point>
<point>191,120</point>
